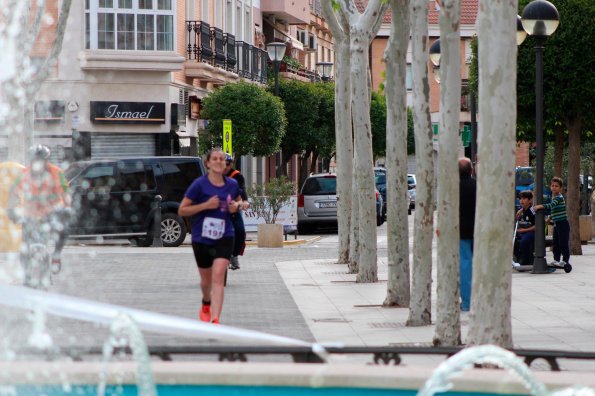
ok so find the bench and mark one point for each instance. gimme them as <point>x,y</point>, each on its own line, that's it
<point>290,229</point>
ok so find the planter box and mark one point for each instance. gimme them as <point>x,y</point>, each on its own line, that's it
<point>270,235</point>
<point>585,227</point>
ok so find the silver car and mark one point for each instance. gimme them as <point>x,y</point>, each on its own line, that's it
<point>317,203</point>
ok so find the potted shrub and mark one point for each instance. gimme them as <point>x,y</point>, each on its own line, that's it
<point>266,201</point>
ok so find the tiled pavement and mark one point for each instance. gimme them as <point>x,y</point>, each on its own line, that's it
<point>553,311</point>
<point>300,292</point>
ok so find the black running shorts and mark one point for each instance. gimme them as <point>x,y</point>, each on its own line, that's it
<point>205,254</point>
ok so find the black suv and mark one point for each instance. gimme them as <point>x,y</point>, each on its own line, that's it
<point>115,197</point>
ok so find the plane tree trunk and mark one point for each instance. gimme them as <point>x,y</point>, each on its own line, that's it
<point>491,286</point>
<point>420,307</point>
<point>395,58</point>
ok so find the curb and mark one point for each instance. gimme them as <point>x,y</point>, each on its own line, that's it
<point>290,243</point>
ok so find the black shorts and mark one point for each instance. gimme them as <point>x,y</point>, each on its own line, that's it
<point>205,254</point>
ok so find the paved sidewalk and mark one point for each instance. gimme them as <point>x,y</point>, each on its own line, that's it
<point>553,311</point>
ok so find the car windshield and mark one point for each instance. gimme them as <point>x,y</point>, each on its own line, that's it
<point>320,186</point>
<point>524,176</point>
<point>72,171</point>
<point>380,178</point>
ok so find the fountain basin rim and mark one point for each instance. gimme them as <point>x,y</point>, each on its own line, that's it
<point>490,381</point>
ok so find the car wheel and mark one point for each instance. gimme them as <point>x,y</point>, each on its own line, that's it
<point>173,230</point>
<point>409,211</point>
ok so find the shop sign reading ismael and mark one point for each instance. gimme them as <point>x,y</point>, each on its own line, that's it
<point>128,112</point>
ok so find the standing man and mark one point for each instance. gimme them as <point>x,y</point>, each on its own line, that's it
<point>467,192</point>
<point>236,218</point>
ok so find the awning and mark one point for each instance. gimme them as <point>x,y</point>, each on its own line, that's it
<point>295,43</point>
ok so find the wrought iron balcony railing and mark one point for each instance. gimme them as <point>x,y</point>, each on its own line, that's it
<point>213,46</point>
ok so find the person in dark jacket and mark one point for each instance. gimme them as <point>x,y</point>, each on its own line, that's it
<point>236,218</point>
<point>467,194</point>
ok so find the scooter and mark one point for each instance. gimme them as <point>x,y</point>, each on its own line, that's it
<point>525,268</point>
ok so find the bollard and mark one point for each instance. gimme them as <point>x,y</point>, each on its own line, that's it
<point>157,242</point>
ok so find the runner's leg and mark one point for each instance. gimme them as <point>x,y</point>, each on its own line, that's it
<point>218,276</point>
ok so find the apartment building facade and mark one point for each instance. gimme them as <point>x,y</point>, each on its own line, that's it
<point>132,73</point>
<point>468,16</point>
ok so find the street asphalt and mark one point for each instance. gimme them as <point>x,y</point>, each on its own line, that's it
<point>299,291</point>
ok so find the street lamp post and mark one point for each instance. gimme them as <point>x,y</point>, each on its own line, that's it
<point>325,69</point>
<point>540,19</point>
<point>276,52</point>
<point>435,58</point>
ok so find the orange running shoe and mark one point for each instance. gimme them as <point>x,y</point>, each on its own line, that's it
<point>215,321</point>
<point>205,313</point>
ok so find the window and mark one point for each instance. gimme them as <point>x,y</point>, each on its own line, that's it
<point>99,179</point>
<point>136,177</point>
<point>126,31</point>
<point>165,32</point>
<point>408,78</point>
<point>320,186</point>
<point>105,31</point>
<point>143,25</point>
<point>145,30</point>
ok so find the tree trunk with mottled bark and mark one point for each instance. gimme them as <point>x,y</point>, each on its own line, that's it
<point>574,125</point>
<point>353,265</point>
<point>420,307</point>
<point>339,27</point>
<point>491,290</point>
<point>362,30</point>
<point>364,167</point>
<point>395,58</point>
<point>448,328</point>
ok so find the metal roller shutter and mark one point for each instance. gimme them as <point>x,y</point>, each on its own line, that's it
<point>123,145</point>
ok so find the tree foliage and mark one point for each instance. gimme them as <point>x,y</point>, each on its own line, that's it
<point>301,109</point>
<point>310,112</point>
<point>258,119</point>
<point>324,143</point>
<point>378,121</point>
<point>268,199</point>
<point>569,81</point>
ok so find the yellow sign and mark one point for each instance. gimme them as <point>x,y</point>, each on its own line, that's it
<point>227,137</point>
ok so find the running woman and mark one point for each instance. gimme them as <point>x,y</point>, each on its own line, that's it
<point>210,200</point>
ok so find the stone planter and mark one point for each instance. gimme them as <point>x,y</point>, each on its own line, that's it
<point>585,227</point>
<point>270,235</point>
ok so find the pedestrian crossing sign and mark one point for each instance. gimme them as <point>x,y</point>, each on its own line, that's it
<point>227,149</point>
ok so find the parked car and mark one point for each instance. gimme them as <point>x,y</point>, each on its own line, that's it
<point>411,188</point>
<point>380,179</point>
<point>412,193</point>
<point>524,179</point>
<point>116,197</point>
<point>317,203</point>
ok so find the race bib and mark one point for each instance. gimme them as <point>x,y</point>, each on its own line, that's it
<point>213,228</point>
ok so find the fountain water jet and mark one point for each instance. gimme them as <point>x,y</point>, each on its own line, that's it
<point>124,331</point>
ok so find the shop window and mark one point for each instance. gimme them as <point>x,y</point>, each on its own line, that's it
<point>142,25</point>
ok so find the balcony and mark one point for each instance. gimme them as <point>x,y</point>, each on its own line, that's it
<point>215,56</point>
<point>293,12</point>
<point>294,72</point>
<point>316,7</point>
